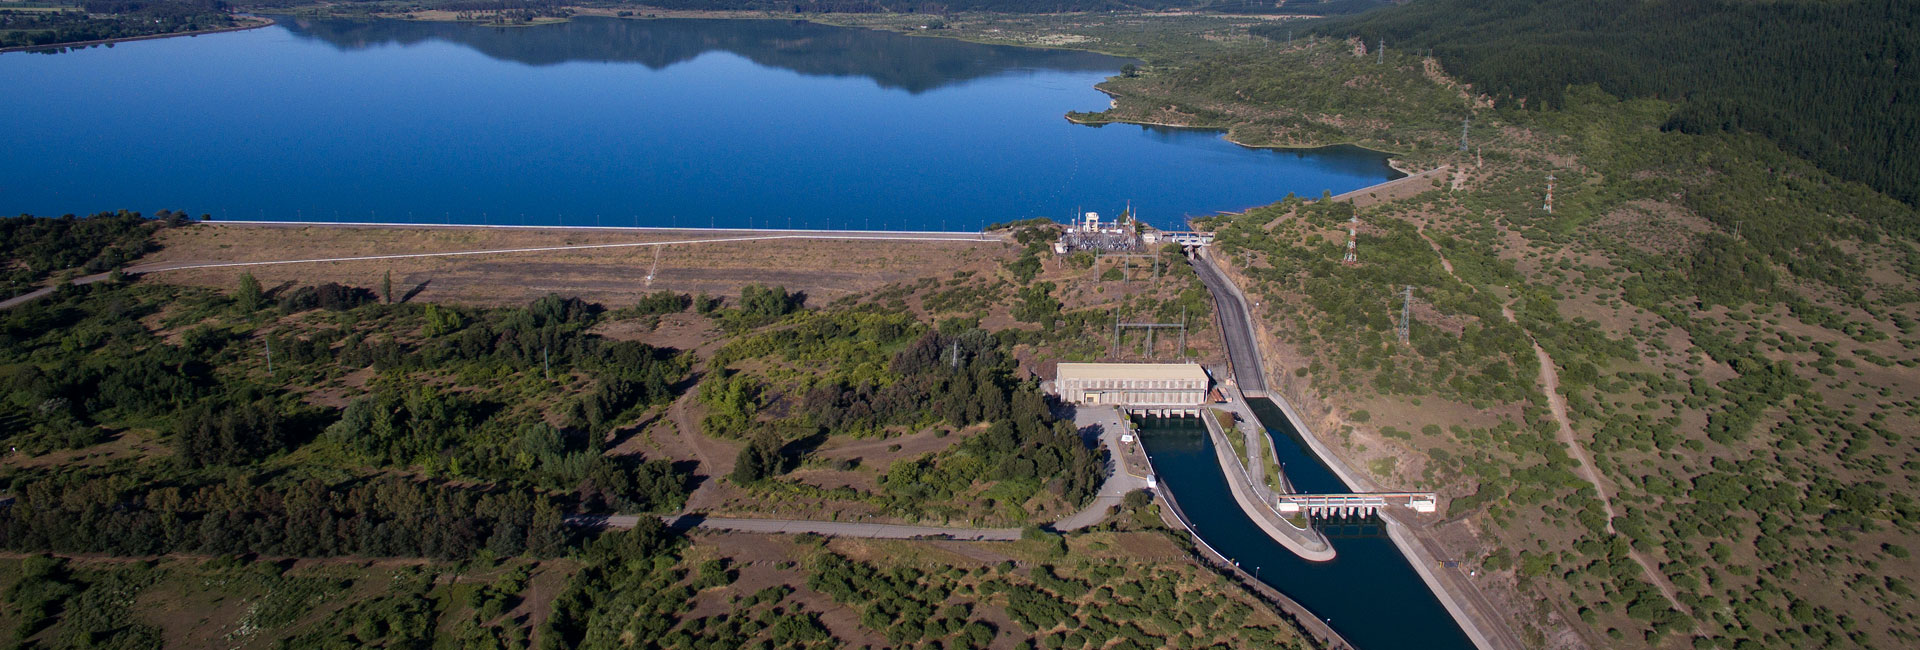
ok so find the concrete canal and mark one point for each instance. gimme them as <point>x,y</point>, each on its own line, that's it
<point>1369,593</point>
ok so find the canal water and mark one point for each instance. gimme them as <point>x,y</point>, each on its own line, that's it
<point>609,122</point>
<point>1368,593</point>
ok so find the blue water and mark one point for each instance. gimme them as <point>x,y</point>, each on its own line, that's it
<point>609,122</point>
<point>1368,592</point>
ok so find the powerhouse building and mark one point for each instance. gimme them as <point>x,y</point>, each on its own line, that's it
<point>1141,386</point>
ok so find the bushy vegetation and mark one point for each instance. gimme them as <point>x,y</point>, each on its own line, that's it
<point>32,248</point>
<point>1818,78</point>
<point>1097,601</point>
<point>109,19</point>
<point>151,512</point>
<point>1719,310</point>
<point>635,586</point>
<point>1356,308</point>
<point>865,373</point>
<point>112,360</point>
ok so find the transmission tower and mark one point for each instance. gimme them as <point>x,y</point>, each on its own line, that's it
<point>1549,205</point>
<point>1383,52</point>
<point>1353,236</point>
<point>1464,124</point>
<point>1406,312</point>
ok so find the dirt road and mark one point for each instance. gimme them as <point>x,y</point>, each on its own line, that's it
<point>1584,467</point>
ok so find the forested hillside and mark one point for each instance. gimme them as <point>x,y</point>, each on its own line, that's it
<point>106,19</point>
<point>784,6</point>
<point>1660,409</point>
<point>1831,81</point>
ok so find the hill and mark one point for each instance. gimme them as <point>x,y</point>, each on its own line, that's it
<point>1832,82</point>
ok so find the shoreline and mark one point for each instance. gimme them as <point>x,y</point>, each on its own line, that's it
<point>128,39</point>
<point>1226,133</point>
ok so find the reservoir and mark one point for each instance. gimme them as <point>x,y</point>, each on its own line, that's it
<point>1368,593</point>
<point>679,123</point>
<point>603,121</point>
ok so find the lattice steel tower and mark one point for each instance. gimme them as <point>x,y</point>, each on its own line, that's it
<point>1406,312</point>
<point>1353,235</point>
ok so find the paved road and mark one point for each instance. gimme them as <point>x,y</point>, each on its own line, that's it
<point>1461,597</point>
<point>36,294</point>
<point>1236,324</point>
<point>829,528</point>
<point>1119,481</point>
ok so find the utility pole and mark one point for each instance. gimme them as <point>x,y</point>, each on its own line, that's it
<point>656,266</point>
<point>1406,312</point>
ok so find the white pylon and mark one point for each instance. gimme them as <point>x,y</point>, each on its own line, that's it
<point>1353,235</point>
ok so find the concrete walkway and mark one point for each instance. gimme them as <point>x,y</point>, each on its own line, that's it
<point>1307,543</point>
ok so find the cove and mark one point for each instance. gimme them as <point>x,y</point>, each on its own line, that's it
<point>610,122</point>
<point>1368,593</point>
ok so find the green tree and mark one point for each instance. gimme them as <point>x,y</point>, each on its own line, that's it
<point>248,296</point>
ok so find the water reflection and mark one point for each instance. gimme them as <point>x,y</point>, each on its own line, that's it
<point>892,60</point>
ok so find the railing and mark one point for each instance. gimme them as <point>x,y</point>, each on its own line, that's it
<point>1362,502</point>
